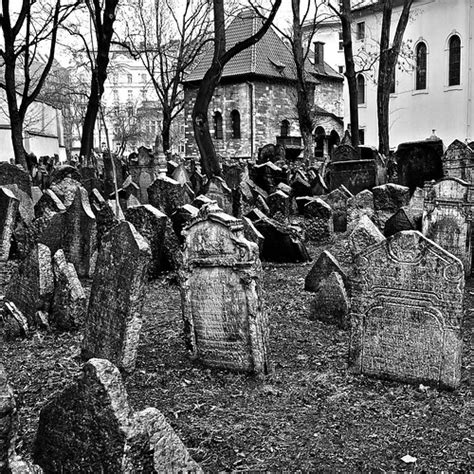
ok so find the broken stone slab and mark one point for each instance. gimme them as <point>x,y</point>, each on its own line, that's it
<point>151,224</point>
<point>331,303</point>
<point>217,190</point>
<point>69,300</point>
<point>80,234</point>
<point>282,243</point>
<point>225,323</point>
<point>401,220</point>
<point>407,312</point>
<point>388,198</point>
<point>182,216</point>
<point>66,189</point>
<point>15,175</point>
<point>48,204</point>
<point>322,268</point>
<point>114,319</point>
<point>251,233</point>
<point>359,205</point>
<point>31,286</point>
<point>9,205</point>
<point>90,427</point>
<point>12,321</point>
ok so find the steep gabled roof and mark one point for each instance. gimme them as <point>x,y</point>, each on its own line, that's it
<point>270,57</point>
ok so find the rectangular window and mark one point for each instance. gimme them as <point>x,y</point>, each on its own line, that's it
<point>341,41</point>
<point>129,78</point>
<point>341,69</point>
<point>361,136</point>
<point>360,33</point>
<point>130,95</point>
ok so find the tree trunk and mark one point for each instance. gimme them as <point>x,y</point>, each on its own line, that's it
<point>346,22</point>
<point>165,133</point>
<point>87,140</point>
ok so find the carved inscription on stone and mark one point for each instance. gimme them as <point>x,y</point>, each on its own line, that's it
<point>407,310</point>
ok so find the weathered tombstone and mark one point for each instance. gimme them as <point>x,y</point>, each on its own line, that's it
<point>201,200</point>
<point>26,207</point>
<point>282,243</point>
<point>80,236</point>
<point>8,211</point>
<point>167,195</point>
<point>66,190</point>
<point>114,319</point>
<point>401,220</point>
<point>13,174</point>
<point>48,204</point>
<point>31,286</point>
<point>262,205</point>
<point>331,303</point>
<point>180,174</point>
<point>151,224</point>
<point>225,325</point>
<point>65,171</point>
<point>104,214</point>
<point>388,199</point>
<point>458,161</point>
<point>217,190</point>
<point>8,422</point>
<point>182,216</point>
<point>279,204</point>
<point>36,194</point>
<point>251,233</point>
<point>407,311</point>
<point>318,223</point>
<point>359,205</point>
<point>417,203</point>
<point>337,199</point>
<point>301,202</point>
<point>90,427</point>
<point>322,268</point>
<point>447,217</point>
<point>300,186</point>
<point>69,300</point>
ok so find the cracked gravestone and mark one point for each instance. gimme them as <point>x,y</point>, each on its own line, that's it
<point>8,212</point>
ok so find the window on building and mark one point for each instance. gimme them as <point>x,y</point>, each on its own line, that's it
<point>235,119</point>
<point>420,80</point>
<point>218,133</point>
<point>319,136</point>
<point>341,42</point>
<point>129,78</point>
<point>284,128</point>
<point>340,69</point>
<point>360,31</point>
<point>116,95</point>
<point>454,61</point>
<point>361,136</point>
<point>143,77</point>
<point>360,89</point>
<point>130,95</point>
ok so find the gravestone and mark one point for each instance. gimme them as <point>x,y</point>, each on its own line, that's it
<point>447,217</point>
<point>225,325</point>
<point>151,224</point>
<point>301,202</point>
<point>401,220</point>
<point>26,207</point>
<point>8,212</point>
<point>66,171</point>
<point>318,222</point>
<point>458,160</point>
<point>182,216</point>
<point>114,319</point>
<point>407,311</point>
<point>337,199</point>
<point>69,300</point>
<point>322,268</point>
<point>201,200</point>
<point>66,190</point>
<point>279,204</point>
<point>32,284</point>
<point>80,234</point>
<point>13,174</point>
<point>48,204</point>
<point>251,233</point>
<point>388,199</point>
<point>8,422</point>
<point>217,190</point>
<point>167,195</point>
<point>36,194</point>
<point>359,205</point>
<point>331,303</point>
<point>104,214</point>
<point>90,427</point>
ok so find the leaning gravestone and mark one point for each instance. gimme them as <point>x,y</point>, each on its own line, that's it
<point>458,161</point>
<point>447,217</point>
<point>407,311</point>
<point>322,268</point>
<point>279,204</point>
<point>26,207</point>
<point>338,199</point>
<point>114,319</point>
<point>80,234</point>
<point>13,174</point>
<point>8,212</point>
<point>319,225</point>
<point>48,204</point>
<point>388,198</point>
<point>225,325</point>
<point>66,190</point>
<point>217,190</point>
<point>167,195</point>
<point>359,205</point>
<point>90,427</point>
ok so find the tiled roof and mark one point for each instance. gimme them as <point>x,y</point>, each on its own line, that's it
<point>270,57</point>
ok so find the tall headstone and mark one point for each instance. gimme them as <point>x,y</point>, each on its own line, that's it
<point>338,199</point>
<point>359,205</point>
<point>447,217</point>
<point>48,204</point>
<point>319,223</point>
<point>388,199</point>
<point>13,174</point>
<point>114,319</point>
<point>8,211</point>
<point>458,161</point>
<point>407,311</point>
<point>217,190</point>
<point>90,427</point>
<point>279,204</point>
<point>26,206</point>
<point>225,324</point>
<point>80,236</point>
<point>322,268</point>
<point>167,195</point>
<point>66,190</point>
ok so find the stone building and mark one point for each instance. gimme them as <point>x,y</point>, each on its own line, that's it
<point>255,102</point>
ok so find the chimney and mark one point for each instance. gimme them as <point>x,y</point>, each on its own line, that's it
<point>319,54</point>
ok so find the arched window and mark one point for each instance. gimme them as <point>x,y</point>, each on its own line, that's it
<point>334,140</point>
<point>360,89</point>
<point>319,136</point>
<point>285,128</point>
<point>218,134</point>
<point>420,80</point>
<point>235,118</point>
<point>454,60</point>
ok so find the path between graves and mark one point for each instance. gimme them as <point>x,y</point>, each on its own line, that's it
<point>308,414</point>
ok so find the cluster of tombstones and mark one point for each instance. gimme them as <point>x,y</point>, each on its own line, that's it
<point>394,275</point>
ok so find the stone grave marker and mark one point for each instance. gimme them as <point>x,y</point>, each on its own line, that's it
<point>167,195</point>
<point>13,174</point>
<point>90,427</point>
<point>26,207</point>
<point>401,220</point>
<point>279,204</point>
<point>337,199</point>
<point>36,194</point>
<point>225,325</point>
<point>458,160</point>
<point>66,190</point>
<point>407,311</point>
<point>69,300</point>
<point>66,171</point>
<point>182,216</point>
<point>114,319</point>
<point>8,422</point>
<point>318,223</point>
<point>8,211</point>
<point>322,268</point>
<point>48,204</point>
<point>388,199</point>
<point>448,216</point>
<point>217,190</point>
<point>359,205</point>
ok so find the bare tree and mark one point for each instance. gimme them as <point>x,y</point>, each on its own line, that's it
<point>27,33</point>
<point>167,41</point>
<point>127,128</point>
<point>209,160</point>
<point>388,58</point>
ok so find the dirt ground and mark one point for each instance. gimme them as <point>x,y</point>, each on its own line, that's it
<point>308,414</point>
